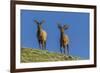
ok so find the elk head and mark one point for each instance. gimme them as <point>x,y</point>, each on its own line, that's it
<point>62,28</point>
<point>39,24</point>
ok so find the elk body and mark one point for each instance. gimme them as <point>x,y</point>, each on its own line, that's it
<point>64,40</point>
<point>41,35</point>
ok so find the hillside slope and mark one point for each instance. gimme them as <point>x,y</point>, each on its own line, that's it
<point>36,55</point>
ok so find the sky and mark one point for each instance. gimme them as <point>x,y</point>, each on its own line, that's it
<point>78,31</point>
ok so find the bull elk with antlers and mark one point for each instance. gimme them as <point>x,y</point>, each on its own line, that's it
<point>64,40</point>
<point>41,34</point>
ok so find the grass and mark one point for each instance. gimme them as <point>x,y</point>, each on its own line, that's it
<point>36,55</point>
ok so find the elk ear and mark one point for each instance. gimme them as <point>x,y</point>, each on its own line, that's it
<point>59,26</point>
<point>36,21</point>
<point>43,21</point>
<point>66,27</point>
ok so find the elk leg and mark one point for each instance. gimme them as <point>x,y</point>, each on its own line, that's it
<point>64,50</point>
<point>42,45</point>
<point>67,49</point>
<point>39,44</point>
<point>45,45</point>
<point>61,48</point>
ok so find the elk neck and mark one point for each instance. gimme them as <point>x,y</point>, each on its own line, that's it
<point>39,30</point>
<point>62,34</point>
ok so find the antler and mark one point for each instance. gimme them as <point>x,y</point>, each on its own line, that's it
<point>36,21</point>
<point>66,26</point>
<point>59,26</point>
<point>42,21</point>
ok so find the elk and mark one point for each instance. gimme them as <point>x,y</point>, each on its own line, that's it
<point>64,40</point>
<point>41,35</point>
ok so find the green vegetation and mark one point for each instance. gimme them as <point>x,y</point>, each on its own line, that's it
<point>36,55</point>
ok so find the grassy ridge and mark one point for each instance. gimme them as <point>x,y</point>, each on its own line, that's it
<point>36,55</point>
